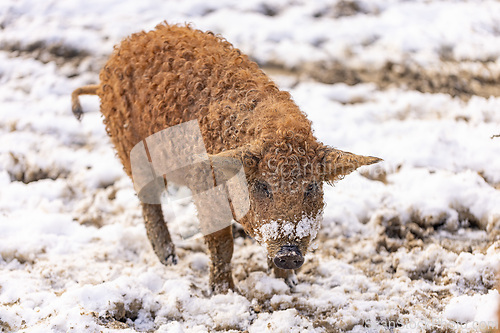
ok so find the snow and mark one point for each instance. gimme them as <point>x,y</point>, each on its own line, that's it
<point>282,321</point>
<point>273,230</point>
<point>408,245</point>
<point>476,310</point>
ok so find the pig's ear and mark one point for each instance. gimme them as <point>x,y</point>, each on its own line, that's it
<point>337,163</point>
<point>230,162</point>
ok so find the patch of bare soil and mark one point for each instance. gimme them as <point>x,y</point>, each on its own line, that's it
<point>61,54</point>
<point>344,8</point>
<point>24,171</point>
<point>462,79</point>
<point>58,52</point>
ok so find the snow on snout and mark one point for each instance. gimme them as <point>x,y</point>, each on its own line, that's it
<point>277,229</point>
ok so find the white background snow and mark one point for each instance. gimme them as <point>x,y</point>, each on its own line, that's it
<point>410,245</point>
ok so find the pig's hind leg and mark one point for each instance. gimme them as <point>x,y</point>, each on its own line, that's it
<point>158,234</point>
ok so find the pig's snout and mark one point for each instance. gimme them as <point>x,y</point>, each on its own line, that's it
<point>288,257</point>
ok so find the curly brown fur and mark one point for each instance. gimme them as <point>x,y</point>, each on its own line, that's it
<point>174,74</point>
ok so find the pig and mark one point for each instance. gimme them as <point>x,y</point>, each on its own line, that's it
<point>174,74</point>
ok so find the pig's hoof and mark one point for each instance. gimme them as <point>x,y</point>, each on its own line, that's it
<point>222,284</point>
<point>167,255</point>
<point>221,288</point>
<point>171,259</point>
<point>291,281</point>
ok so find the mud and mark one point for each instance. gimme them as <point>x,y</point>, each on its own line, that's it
<point>458,79</point>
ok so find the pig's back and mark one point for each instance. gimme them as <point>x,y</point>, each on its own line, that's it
<point>157,79</point>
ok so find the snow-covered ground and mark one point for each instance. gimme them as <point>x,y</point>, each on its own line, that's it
<point>410,245</point>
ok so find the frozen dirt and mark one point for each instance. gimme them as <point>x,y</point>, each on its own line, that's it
<point>409,245</point>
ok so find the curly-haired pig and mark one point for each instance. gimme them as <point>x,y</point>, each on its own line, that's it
<point>174,74</point>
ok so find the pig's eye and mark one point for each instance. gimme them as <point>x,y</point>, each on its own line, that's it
<point>262,189</point>
<point>311,189</point>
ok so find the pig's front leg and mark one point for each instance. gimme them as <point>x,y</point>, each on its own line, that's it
<point>287,274</point>
<point>158,234</point>
<point>220,248</point>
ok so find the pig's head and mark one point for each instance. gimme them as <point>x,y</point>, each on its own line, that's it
<point>285,186</point>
